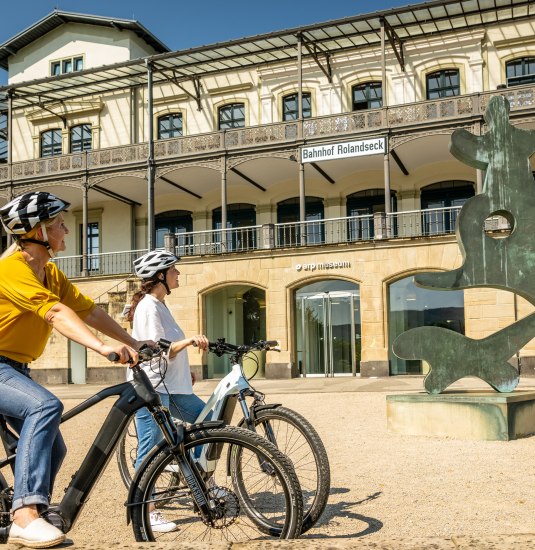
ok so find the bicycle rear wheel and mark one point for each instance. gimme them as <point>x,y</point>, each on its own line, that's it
<point>295,437</point>
<point>127,452</point>
<point>256,497</point>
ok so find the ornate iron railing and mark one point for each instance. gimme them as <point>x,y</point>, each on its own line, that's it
<point>381,226</point>
<point>332,126</point>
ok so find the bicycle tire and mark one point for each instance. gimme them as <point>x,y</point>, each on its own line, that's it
<point>127,452</point>
<point>156,483</point>
<point>298,440</point>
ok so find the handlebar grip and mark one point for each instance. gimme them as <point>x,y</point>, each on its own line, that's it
<point>113,357</point>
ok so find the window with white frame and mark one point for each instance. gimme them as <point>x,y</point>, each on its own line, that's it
<point>520,71</point>
<point>80,138</point>
<point>290,106</point>
<point>445,83</point>
<point>368,95</point>
<point>67,65</point>
<point>231,116</point>
<point>51,143</point>
<point>170,126</point>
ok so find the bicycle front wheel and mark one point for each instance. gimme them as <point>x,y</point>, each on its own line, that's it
<point>254,497</point>
<point>295,437</point>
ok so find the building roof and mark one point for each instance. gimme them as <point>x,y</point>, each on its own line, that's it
<point>324,39</point>
<point>58,18</point>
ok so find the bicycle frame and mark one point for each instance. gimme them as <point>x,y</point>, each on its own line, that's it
<point>132,396</point>
<point>232,388</point>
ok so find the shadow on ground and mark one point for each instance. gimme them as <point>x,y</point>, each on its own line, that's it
<point>345,509</point>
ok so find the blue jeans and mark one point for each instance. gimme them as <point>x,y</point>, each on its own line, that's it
<point>35,414</point>
<point>185,407</point>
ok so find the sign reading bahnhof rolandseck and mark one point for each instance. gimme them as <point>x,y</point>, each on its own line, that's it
<point>342,150</point>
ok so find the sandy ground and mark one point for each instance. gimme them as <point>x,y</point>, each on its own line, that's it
<point>383,485</point>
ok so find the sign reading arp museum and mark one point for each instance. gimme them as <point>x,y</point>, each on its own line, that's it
<point>342,150</point>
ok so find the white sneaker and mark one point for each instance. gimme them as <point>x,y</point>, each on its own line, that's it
<point>38,534</point>
<point>160,525</point>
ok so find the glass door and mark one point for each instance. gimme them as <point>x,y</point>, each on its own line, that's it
<point>328,333</point>
<point>341,334</point>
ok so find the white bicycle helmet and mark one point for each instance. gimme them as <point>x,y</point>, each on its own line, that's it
<point>23,213</point>
<point>149,264</point>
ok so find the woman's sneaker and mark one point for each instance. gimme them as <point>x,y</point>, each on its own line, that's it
<point>159,524</point>
<point>37,534</point>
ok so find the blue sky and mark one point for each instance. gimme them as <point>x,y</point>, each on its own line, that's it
<point>180,24</point>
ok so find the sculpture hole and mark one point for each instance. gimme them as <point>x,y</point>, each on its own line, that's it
<point>499,224</point>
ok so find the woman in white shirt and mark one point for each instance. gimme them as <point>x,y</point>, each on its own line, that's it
<point>151,319</point>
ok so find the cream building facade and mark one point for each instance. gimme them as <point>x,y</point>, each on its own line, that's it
<point>165,149</point>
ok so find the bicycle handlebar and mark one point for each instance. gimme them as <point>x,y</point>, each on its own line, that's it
<point>145,353</point>
<point>220,347</point>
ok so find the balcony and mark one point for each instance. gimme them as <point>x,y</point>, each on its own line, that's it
<point>335,231</point>
<point>425,113</point>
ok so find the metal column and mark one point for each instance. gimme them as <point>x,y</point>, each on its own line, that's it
<point>10,152</point>
<point>85,216</point>
<point>302,203</point>
<point>224,203</point>
<point>151,231</point>
<point>300,79</point>
<point>383,64</point>
<point>386,166</point>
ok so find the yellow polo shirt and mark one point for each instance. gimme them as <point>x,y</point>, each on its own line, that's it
<point>24,302</point>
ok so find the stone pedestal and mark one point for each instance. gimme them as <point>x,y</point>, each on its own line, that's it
<point>463,414</point>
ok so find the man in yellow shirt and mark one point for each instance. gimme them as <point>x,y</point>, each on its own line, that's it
<point>35,296</point>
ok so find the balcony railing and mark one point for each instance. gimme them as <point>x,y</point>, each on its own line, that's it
<point>333,126</point>
<point>108,263</point>
<point>396,225</point>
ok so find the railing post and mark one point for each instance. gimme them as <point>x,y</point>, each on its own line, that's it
<point>268,236</point>
<point>169,242</point>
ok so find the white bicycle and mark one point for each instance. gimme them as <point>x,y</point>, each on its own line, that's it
<point>289,431</point>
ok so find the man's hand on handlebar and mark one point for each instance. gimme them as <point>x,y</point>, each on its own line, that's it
<point>120,354</point>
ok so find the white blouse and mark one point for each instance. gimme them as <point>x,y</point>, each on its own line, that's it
<point>152,321</point>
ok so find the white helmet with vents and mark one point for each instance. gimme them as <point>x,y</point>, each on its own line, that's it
<point>149,264</point>
<point>23,213</point>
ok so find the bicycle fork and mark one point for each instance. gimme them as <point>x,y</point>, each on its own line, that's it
<point>174,436</point>
<point>249,420</point>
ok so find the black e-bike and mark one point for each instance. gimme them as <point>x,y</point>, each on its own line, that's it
<point>214,482</point>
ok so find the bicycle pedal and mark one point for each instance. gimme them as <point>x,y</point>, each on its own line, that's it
<point>53,517</point>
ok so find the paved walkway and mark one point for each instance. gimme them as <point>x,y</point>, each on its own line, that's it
<point>331,386</point>
<point>391,384</point>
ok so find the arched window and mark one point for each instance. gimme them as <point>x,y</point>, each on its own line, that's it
<point>368,95</point>
<point>231,116</point>
<point>241,219</point>
<point>361,207</point>
<point>410,306</point>
<point>520,71</point>
<point>445,83</point>
<point>290,106</point>
<point>444,199</point>
<point>80,138</point>
<point>177,222</point>
<point>293,234</point>
<point>51,143</point>
<point>170,126</point>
